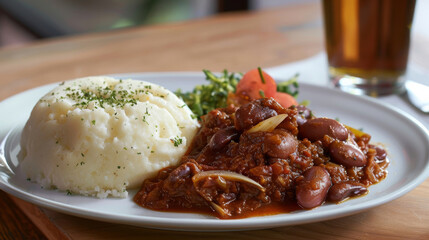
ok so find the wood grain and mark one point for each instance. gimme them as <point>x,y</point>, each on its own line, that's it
<point>13,222</point>
<point>40,220</point>
<point>235,41</point>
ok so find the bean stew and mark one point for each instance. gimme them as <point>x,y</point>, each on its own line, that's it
<point>261,158</point>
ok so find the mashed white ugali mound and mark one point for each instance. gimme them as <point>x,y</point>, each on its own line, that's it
<point>99,136</point>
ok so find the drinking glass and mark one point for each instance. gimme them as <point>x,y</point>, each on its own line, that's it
<point>367,44</point>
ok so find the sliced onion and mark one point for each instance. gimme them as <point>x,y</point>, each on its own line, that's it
<point>268,124</point>
<point>232,176</point>
<point>220,210</point>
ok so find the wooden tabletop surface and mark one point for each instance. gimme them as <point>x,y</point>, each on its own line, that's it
<point>236,41</point>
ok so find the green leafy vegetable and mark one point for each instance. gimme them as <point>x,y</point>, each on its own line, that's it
<point>289,86</point>
<point>206,97</point>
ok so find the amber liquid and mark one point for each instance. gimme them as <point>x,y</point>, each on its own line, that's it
<point>367,43</point>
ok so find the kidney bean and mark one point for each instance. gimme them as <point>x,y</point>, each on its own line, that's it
<point>315,129</point>
<point>176,181</point>
<point>256,111</point>
<point>279,144</point>
<point>340,191</point>
<point>347,154</point>
<point>222,138</point>
<point>312,190</point>
<point>303,114</point>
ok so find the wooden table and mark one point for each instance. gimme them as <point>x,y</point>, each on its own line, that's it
<point>238,42</point>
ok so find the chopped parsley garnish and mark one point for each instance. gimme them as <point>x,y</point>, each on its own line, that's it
<point>261,75</point>
<point>176,141</point>
<point>261,93</point>
<point>102,96</point>
<point>144,120</point>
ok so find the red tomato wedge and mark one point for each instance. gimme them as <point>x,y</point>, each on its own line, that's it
<point>285,99</point>
<point>255,87</point>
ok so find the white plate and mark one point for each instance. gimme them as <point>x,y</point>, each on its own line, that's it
<point>406,139</point>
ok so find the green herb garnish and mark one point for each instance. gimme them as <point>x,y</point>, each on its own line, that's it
<point>289,86</point>
<point>102,96</point>
<point>207,97</point>
<point>176,141</point>
<point>261,75</point>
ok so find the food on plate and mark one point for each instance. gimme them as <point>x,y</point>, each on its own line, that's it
<point>256,156</point>
<point>256,84</point>
<point>207,97</point>
<point>99,136</point>
<point>228,89</point>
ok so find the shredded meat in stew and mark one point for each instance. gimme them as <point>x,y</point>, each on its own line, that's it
<point>234,168</point>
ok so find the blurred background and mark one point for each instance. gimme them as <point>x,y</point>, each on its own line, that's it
<point>24,21</point>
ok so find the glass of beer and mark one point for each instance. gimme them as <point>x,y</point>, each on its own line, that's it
<point>367,43</point>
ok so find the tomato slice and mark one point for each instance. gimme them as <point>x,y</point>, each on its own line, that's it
<point>285,99</point>
<point>255,87</point>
